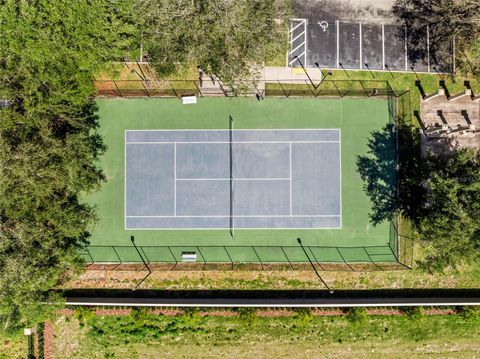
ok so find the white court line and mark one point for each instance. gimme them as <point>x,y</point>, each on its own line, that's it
<point>246,216</point>
<point>236,130</point>
<point>235,179</point>
<point>340,179</point>
<point>338,43</point>
<point>383,46</point>
<point>175,178</point>
<point>125,180</point>
<point>239,216</point>
<point>306,48</point>
<point>361,49</point>
<point>221,142</point>
<point>225,228</point>
<point>428,47</point>
<point>406,49</point>
<point>290,154</point>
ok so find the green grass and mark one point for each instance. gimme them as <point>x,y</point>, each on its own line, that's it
<point>356,118</point>
<point>13,346</point>
<point>399,81</point>
<point>303,335</point>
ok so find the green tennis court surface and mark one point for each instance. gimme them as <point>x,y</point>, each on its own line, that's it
<point>355,240</point>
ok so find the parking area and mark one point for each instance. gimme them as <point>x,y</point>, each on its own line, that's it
<point>340,44</point>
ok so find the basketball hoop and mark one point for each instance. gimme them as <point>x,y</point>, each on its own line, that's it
<point>323,25</point>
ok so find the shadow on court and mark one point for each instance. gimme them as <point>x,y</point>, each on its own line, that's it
<point>378,171</point>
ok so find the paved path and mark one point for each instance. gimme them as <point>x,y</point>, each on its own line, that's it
<point>274,298</point>
<point>267,74</point>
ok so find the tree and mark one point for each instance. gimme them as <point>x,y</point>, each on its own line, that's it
<point>439,194</point>
<point>378,170</point>
<point>445,19</point>
<point>227,38</point>
<point>49,147</point>
<point>450,224</point>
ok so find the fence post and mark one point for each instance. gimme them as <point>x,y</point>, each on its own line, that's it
<point>173,256</point>
<point>284,92</point>
<point>315,257</point>
<point>118,90</point>
<point>338,90</point>
<point>288,260</point>
<point>344,261</point>
<point>261,263</point>
<point>198,88</point>
<point>175,92</point>
<point>371,260</point>
<point>228,254</point>
<point>203,258</point>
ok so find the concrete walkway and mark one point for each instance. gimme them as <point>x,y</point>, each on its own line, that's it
<point>268,74</point>
<point>291,74</point>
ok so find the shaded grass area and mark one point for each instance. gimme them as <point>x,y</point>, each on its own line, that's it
<point>141,335</point>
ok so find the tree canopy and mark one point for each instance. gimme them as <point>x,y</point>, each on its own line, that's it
<point>438,193</point>
<point>450,222</point>
<point>445,19</point>
<point>49,52</point>
<point>228,38</point>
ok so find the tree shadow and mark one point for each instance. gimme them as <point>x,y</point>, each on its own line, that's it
<point>435,18</point>
<point>377,170</point>
<point>392,187</point>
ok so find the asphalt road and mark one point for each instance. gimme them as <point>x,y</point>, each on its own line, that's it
<point>270,298</point>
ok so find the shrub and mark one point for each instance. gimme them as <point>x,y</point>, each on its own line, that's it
<point>303,317</point>
<point>413,313</point>
<point>470,313</point>
<point>84,314</point>
<point>357,315</point>
<point>247,315</point>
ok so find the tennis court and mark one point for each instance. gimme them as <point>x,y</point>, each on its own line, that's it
<point>181,177</point>
<point>232,179</point>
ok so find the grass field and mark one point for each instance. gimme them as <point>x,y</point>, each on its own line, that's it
<point>357,119</point>
<point>246,336</point>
